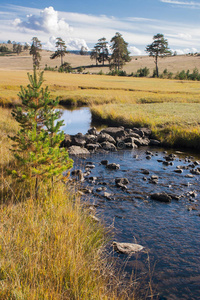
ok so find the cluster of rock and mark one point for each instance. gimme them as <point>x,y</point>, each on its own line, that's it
<point>109,139</point>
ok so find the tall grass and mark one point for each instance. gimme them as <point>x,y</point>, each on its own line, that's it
<point>51,249</point>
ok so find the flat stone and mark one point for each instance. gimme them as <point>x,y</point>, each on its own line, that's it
<point>77,150</point>
<point>127,248</point>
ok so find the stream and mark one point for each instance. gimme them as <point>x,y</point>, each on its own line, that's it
<point>170,232</point>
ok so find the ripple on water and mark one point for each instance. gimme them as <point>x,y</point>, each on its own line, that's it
<point>169,231</point>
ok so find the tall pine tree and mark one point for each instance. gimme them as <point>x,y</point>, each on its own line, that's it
<point>36,145</point>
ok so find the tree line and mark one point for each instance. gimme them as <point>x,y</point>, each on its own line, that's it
<point>116,54</point>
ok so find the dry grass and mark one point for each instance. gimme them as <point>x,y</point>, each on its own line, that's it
<point>52,249</point>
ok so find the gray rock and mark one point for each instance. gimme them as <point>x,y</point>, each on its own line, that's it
<point>93,147</point>
<point>108,146</point>
<point>107,195</point>
<point>104,162</point>
<point>127,248</point>
<point>114,131</point>
<point>162,197</point>
<point>105,137</point>
<point>113,166</point>
<point>67,141</point>
<point>77,150</point>
<point>178,171</point>
<point>90,138</point>
<point>145,172</point>
<point>121,182</point>
<point>92,131</point>
<point>138,131</point>
<point>154,143</point>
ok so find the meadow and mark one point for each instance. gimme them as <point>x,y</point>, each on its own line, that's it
<point>169,107</point>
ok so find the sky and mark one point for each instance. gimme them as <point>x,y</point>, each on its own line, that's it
<point>82,22</point>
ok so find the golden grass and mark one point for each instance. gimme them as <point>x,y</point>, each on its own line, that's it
<point>51,249</point>
<point>8,126</point>
<point>95,89</point>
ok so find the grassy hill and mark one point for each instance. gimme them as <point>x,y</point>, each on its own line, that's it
<point>173,64</point>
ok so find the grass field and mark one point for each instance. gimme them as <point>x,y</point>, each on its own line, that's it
<point>169,107</point>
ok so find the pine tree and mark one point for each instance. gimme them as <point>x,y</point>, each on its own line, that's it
<point>120,53</point>
<point>36,145</point>
<point>159,48</point>
<point>61,50</point>
<point>35,49</point>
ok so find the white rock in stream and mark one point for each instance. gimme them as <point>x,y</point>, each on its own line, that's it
<point>127,248</point>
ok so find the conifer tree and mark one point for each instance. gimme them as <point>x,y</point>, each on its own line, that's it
<point>159,48</point>
<point>61,50</point>
<point>120,54</point>
<point>36,145</point>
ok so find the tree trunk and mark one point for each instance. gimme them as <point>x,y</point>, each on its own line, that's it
<point>156,61</point>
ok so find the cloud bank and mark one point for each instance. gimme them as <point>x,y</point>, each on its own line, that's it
<point>22,23</point>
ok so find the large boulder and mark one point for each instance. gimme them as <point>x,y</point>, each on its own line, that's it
<point>127,248</point>
<point>78,140</point>
<point>105,137</point>
<point>108,146</point>
<point>77,150</point>
<point>115,132</point>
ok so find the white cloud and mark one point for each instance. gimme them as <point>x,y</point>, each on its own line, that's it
<point>48,21</point>
<point>71,43</point>
<point>185,51</point>
<point>135,51</point>
<point>184,3</point>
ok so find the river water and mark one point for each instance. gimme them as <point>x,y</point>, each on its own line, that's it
<point>170,232</point>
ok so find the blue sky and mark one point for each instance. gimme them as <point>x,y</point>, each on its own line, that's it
<point>83,22</point>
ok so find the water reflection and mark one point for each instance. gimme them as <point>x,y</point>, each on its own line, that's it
<point>76,120</point>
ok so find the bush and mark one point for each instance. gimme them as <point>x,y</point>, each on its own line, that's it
<point>4,49</point>
<point>49,68</point>
<point>186,75</point>
<point>142,72</point>
<point>101,73</point>
<point>65,68</point>
<point>154,74</point>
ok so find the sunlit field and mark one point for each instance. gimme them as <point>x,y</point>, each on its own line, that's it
<point>96,89</point>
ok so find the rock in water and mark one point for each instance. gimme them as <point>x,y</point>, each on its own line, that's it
<point>127,248</point>
<point>162,197</point>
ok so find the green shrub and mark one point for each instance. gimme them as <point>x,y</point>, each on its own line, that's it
<point>65,68</point>
<point>143,72</point>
